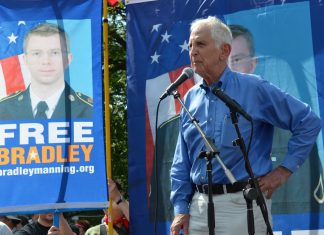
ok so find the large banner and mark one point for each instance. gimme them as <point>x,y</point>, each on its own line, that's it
<point>289,52</point>
<point>52,154</point>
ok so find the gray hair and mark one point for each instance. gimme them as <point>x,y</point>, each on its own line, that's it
<point>219,31</point>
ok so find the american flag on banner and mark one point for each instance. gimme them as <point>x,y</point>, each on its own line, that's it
<point>169,55</point>
<point>14,75</point>
<point>157,52</point>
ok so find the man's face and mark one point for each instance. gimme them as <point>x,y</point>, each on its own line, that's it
<point>46,217</point>
<point>205,57</point>
<point>240,59</point>
<point>46,59</point>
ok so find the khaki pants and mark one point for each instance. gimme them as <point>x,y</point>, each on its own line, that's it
<point>230,215</point>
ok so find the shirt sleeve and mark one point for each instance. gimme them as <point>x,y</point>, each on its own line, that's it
<point>285,111</point>
<point>181,185</point>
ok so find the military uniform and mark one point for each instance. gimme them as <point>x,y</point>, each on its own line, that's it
<point>71,104</point>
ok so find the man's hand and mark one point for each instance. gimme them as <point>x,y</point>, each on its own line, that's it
<point>54,231</point>
<point>180,221</point>
<point>270,182</point>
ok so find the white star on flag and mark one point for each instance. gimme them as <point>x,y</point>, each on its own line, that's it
<point>155,27</point>
<point>155,58</point>
<point>12,38</point>
<point>184,46</point>
<point>165,36</point>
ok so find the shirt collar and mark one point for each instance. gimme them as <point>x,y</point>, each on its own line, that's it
<point>50,101</point>
<point>221,83</point>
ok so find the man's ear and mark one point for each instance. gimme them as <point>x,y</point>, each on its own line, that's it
<point>226,51</point>
<point>68,60</point>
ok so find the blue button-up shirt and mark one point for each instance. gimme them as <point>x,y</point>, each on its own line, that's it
<point>267,105</point>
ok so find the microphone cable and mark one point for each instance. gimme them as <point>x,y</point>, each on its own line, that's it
<point>154,169</point>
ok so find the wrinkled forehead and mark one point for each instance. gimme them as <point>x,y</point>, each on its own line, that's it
<point>201,32</point>
<point>200,29</point>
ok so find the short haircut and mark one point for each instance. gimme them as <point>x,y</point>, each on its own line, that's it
<point>219,31</point>
<point>239,30</point>
<point>46,30</point>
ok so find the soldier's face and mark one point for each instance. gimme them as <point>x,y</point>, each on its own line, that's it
<point>240,59</point>
<point>46,59</point>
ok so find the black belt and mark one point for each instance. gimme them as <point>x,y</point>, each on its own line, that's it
<point>222,188</point>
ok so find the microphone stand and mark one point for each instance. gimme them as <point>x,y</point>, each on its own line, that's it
<point>252,192</point>
<point>211,152</point>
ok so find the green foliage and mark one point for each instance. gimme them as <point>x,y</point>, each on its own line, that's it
<point>118,108</point>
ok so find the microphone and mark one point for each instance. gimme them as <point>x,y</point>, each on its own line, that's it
<point>186,73</point>
<point>231,103</point>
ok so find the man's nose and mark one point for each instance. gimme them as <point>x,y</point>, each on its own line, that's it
<point>193,51</point>
<point>46,58</point>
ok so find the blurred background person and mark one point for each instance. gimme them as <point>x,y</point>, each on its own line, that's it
<point>120,213</point>
<point>83,225</point>
<point>44,226</point>
<point>23,221</point>
<point>11,221</point>
<point>4,229</point>
<point>33,218</point>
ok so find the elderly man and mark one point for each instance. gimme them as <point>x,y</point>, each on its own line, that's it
<point>210,47</point>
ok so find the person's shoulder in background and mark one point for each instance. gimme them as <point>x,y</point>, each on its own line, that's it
<point>100,229</point>
<point>4,229</point>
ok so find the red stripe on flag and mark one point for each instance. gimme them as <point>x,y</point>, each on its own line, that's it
<point>13,76</point>
<point>183,88</point>
<point>149,151</point>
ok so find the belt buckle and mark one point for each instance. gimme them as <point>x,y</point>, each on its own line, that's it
<point>204,188</point>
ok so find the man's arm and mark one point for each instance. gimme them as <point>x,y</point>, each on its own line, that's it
<point>65,228</point>
<point>181,185</point>
<point>116,196</point>
<point>287,112</point>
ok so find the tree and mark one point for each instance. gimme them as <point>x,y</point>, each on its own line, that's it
<point>118,106</point>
